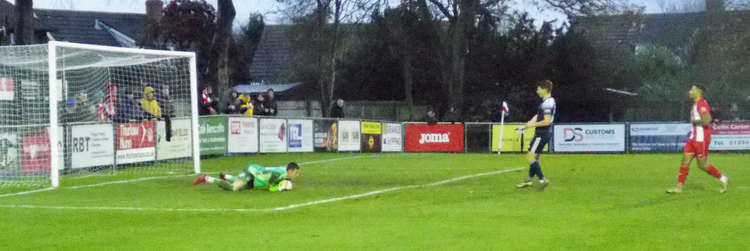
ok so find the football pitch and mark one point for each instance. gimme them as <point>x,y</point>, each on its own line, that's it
<point>397,202</point>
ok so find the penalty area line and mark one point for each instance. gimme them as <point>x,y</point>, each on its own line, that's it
<point>26,192</point>
<point>283,208</point>
<point>371,193</point>
<point>164,177</point>
<point>186,175</point>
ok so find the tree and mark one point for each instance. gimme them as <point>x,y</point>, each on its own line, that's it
<point>461,17</point>
<point>25,22</point>
<point>194,25</point>
<point>188,26</point>
<point>219,69</point>
<point>321,20</point>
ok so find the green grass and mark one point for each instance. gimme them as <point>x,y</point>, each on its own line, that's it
<point>595,202</point>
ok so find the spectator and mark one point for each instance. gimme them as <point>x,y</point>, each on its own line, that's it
<point>208,103</point>
<point>260,105</point>
<point>78,109</point>
<point>734,112</point>
<point>430,117</point>
<point>718,115</point>
<point>127,108</point>
<point>271,103</point>
<point>337,111</point>
<point>233,104</point>
<point>150,106</point>
<point>106,108</point>
<point>167,102</point>
<point>246,106</point>
<point>451,115</point>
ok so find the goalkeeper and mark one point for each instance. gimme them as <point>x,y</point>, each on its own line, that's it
<point>255,176</point>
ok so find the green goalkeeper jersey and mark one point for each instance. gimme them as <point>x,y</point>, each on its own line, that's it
<point>265,176</point>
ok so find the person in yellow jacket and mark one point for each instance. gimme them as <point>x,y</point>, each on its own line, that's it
<point>149,104</point>
<point>246,107</point>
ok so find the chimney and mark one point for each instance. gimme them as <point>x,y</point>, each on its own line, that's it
<point>714,5</point>
<point>153,10</point>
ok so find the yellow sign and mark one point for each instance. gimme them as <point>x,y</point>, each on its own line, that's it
<point>372,128</point>
<point>371,142</point>
<point>512,139</point>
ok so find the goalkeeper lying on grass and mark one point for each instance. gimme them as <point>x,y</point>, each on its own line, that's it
<point>255,176</point>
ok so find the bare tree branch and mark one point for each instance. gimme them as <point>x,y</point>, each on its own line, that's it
<point>448,14</point>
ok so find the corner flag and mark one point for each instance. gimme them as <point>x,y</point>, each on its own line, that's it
<point>505,112</point>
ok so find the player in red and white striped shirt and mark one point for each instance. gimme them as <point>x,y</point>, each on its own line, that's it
<point>697,145</point>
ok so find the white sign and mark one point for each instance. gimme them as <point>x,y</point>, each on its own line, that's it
<point>681,129</point>
<point>590,138</point>
<point>62,85</point>
<point>349,136</point>
<point>136,142</point>
<point>92,145</point>
<point>30,90</point>
<point>392,141</point>
<point>179,145</point>
<point>730,136</point>
<point>273,135</point>
<point>242,136</point>
<point>300,135</point>
<point>7,88</point>
<point>9,150</point>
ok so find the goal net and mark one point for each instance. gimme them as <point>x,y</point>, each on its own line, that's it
<point>114,111</point>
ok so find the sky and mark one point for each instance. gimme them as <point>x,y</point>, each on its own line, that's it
<point>268,7</point>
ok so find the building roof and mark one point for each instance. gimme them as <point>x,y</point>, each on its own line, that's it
<point>261,88</point>
<point>673,30</point>
<point>8,17</point>
<point>273,57</point>
<point>78,26</point>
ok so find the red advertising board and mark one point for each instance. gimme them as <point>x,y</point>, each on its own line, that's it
<point>434,138</point>
<point>135,142</point>
<point>135,135</point>
<point>35,154</point>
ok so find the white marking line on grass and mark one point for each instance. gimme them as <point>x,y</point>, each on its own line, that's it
<point>284,208</point>
<point>335,159</point>
<point>185,175</point>
<point>170,176</point>
<point>129,181</point>
<point>26,192</point>
<point>355,196</point>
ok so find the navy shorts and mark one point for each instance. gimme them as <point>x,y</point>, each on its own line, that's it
<point>539,142</point>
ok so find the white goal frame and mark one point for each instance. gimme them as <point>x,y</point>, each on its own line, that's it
<point>53,117</point>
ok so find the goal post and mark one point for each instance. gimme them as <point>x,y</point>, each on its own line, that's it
<point>113,110</point>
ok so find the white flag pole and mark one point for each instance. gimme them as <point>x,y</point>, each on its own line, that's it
<point>500,142</point>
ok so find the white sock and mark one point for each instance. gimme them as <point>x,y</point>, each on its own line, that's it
<point>724,179</point>
<point>210,180</point>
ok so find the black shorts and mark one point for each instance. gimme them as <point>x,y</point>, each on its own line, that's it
<point>539,142</point>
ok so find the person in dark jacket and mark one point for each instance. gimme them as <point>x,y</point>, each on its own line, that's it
<point>451,115</point>
<point>337,111</point>
<point>260,106</point>
<point>271,103</point>
<point>233,105</point>
<point>430,117</point>
<point>127,108</point>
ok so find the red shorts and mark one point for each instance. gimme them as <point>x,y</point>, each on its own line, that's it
<point>700,149</point>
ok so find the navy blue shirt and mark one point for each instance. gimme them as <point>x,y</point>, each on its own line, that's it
<point>547,107</point>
